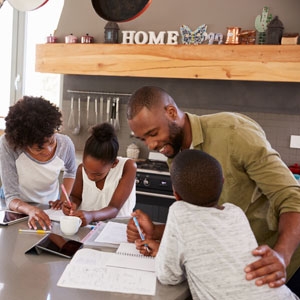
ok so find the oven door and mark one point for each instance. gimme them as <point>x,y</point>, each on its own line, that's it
<point>155,205</point>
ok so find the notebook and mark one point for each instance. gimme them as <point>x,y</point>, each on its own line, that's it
<point>113,233</point>
<point>88,270</point>
<point>128,257</point>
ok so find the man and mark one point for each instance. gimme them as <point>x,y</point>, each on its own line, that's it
<point>270,194</point>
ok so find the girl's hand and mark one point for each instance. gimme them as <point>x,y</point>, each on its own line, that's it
<point>85,216</point>
<point>38,215</point>
<point>153,246</point>
<point>56,205</point>
<point>67,209</point>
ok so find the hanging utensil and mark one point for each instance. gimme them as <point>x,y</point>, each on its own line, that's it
<point>113,112</point>
<point>76,130</point>
<point>71,120</point>
<point>107,109</point>
<point>120,10</point>
<point>96,111</point>
<point>27,5</point>
<point>101,109</point>
<point>88,110</point>
<point>117,121</point>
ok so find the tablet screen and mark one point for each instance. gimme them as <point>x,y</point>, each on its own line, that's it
<point>10,217</point>
<point>59,245</point>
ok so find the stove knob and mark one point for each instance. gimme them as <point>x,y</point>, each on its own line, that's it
<point>137,181</point>
<point>146,182</point>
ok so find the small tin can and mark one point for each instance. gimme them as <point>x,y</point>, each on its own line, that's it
<point>71,39</point>
<point>51,39</point>
<point>87,39</point>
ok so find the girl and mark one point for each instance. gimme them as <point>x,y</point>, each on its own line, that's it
<point>105,184</point>
<point>32,156</point>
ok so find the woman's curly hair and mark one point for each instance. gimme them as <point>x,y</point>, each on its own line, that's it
<point>30,121</point>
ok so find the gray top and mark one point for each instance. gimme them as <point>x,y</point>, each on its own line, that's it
<point>211,247</point>
<point>31,180</point>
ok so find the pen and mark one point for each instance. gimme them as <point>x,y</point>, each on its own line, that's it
<point>66,194</point>
<point>35,231</point>
<point>140,232</point>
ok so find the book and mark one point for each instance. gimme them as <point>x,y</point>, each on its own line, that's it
<point>128,257</point>
<point>88,270</point>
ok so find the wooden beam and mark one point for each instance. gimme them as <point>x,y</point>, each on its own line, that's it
<point>226,62</point>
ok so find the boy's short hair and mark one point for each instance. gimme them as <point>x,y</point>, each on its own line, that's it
<point>197,177</point>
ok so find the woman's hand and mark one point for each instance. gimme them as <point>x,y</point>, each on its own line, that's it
<point>67,209</point>
<point>56,205</point>
<point>85,216</point>
<point>153,247</point>
<point>38,215</point>
<point>145,223</point>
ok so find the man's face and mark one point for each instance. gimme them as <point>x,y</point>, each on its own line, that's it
<point>158,131</point>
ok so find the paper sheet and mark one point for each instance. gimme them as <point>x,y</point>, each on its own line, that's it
<point>113,233</point>
<point>54,215</point>
<point>87,271</point>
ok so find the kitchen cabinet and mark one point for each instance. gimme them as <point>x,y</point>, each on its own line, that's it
<point>225,62</point>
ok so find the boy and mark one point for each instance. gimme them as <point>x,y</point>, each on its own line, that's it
<point>207,244</point>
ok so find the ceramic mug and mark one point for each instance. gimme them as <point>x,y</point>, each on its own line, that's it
<point>69,225</point>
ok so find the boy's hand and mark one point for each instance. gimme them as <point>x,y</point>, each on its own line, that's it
<point>56,205</point>
<point>67,209</point>
<point>152,245</point>
<point>269,269</point>
<point>145,223</point>
<point>85,216</point>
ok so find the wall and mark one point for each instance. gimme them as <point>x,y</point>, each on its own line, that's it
<point>276,106</point>
<point>78,16</point>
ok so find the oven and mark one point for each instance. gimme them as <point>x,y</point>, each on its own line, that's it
<point>154,193</point>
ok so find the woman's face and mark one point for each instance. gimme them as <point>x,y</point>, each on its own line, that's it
<point>96,169</point>
<point>44,152</point>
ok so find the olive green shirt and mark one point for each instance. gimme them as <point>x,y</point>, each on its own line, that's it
<point>255,178</point>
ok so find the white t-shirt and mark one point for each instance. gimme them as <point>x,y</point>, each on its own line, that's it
<point>31,180</point>
<point>210,248</point>
<point>94,199</point>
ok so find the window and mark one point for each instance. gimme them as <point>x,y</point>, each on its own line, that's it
<point>41,23</point>
<point>20,32</point>
<point>6,33</point>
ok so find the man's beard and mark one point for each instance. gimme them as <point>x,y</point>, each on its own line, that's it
<point>176,138</point>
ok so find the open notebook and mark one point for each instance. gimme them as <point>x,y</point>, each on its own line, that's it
<point>88,270</point>
<point>128,257</point>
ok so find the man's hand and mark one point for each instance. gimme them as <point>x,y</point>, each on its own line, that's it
<point>145,223</point>
<point>153,246</point>
<point>269,269</point>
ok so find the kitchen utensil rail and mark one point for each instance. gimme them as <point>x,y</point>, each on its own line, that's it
<point>98,93</point>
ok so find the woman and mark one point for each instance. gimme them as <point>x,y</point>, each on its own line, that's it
<point>32,155</point>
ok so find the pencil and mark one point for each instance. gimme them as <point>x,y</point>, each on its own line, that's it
<point>66,194</point>
<point>35,231</point>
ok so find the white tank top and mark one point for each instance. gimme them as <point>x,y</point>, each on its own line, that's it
<point>94,199</point>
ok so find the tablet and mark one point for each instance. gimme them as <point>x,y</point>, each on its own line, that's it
<point>56,244</point>
<point>8,217</point>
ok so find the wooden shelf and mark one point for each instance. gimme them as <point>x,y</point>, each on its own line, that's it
<point>226,62</point>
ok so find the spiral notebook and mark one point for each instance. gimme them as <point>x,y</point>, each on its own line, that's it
<point>128,257</point>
